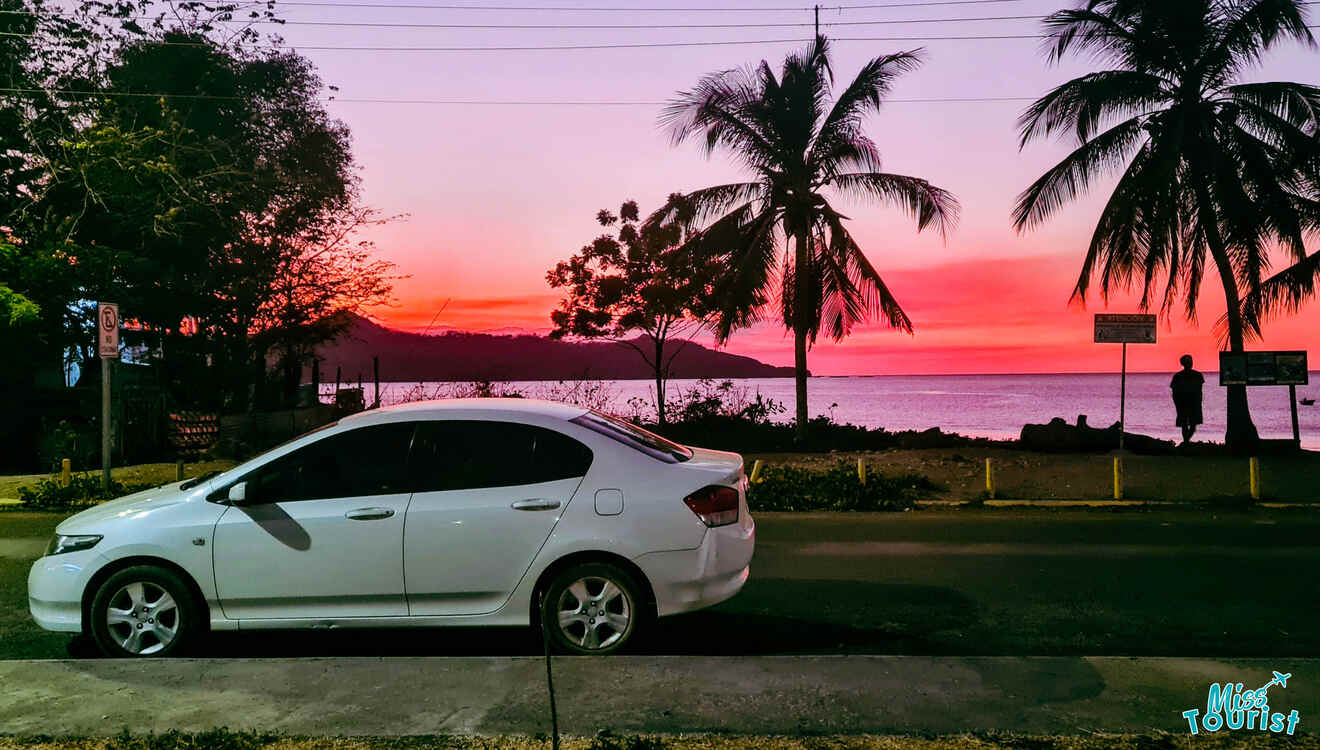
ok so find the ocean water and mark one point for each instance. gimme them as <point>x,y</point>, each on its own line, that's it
<point>994,406</point>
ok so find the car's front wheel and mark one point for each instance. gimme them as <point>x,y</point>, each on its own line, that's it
<point>592,608</point>
<point>143,611</point>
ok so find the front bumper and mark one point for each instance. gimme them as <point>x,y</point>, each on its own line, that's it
<point>687,580</point>
<point>55,589</point>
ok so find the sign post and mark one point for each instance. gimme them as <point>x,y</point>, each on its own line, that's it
<point>107,345</point>
<point>1268,368</point>
<point>1111,328</point>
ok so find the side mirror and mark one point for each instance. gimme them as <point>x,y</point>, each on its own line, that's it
<point>238,494</point>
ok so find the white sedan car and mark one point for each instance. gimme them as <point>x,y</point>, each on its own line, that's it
<point>462,512</point>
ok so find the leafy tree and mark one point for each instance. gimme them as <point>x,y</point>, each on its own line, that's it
<point>798,146</point>
<point>220,214</point>
<point>1209,168</point>
<point>320,281</point>
<point>642,280</point>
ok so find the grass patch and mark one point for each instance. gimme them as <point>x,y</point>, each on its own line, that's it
<point>839,487</point>
<point>225,740</point>
<point>149,475</point>
<point>21,637</point>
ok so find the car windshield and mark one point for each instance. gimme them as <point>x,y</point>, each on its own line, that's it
<point>635,437</point>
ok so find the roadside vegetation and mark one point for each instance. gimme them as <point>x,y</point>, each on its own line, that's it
<point>23,537</point>
<point>48,492</point>
<point>225,740</point>
<point>841,487</point>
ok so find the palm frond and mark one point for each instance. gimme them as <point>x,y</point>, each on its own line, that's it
<point>1134,227</point>
<point>917,197</point>
<point>1251,28</point>
<point>875,297</point>
<point>706,204</point>
<point>1285,291</point>
<point>840,133</point>
<point>744,240</point>
<point>1296,104</point>
<point>1085,30</point>
<point>1063,182</point>
<point>718,108</point>
<point>1085,103</point>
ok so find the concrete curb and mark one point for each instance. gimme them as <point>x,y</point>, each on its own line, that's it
<point>675,694</point>
<point>1102,504</point>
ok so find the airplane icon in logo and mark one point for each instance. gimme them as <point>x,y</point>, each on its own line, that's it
<point>1279,679</point>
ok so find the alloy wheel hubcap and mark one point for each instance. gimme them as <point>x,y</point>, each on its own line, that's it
<point>594,613</point>
<point>142,618</point>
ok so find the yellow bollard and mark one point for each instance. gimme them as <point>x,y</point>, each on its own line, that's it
<point>861,470</point>
<point>1255,478</point>
<point>990,479</point>
<point>66,472</point>
<point>1118,477</point>
<point>756,472</point>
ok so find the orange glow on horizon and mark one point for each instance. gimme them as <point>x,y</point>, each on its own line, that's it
<point>995,315</point>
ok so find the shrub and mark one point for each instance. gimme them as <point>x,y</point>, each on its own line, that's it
<point>79,442</point>
<point>83,489</point>
<point>788,488</point>
<point>607,740</point>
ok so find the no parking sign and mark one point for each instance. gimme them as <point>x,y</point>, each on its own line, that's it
<point>107,329</point>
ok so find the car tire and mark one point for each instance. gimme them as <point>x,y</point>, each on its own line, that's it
<point>144,611</point>
<point>592,609</point>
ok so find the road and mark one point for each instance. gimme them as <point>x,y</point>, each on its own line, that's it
<point>930,621</point>
<point>949,582</point>
<point>1168,583</point>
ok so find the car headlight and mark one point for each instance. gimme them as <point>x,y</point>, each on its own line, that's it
<point>62,543</point>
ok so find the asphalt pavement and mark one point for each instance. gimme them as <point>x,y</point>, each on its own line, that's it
<point>929,621</point>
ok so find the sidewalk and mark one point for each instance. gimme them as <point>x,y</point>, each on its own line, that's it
<point>776,695</point>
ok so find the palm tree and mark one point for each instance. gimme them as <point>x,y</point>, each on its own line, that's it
<point>797,144</point>
<point>1209,169</point>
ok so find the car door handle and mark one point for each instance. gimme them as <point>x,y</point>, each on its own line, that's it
<point>537,504</point>
<point>369,514</point>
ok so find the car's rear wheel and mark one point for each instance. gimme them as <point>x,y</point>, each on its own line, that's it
<point>593,608</point>
<point>143,611</point>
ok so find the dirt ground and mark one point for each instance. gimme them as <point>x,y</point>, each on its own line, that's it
<point>1024,475</point>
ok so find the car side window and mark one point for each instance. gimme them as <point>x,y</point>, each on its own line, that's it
<point>471,454</point>
<point>369,460</point>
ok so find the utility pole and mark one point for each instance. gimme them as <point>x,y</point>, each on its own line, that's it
<point>817,9</point>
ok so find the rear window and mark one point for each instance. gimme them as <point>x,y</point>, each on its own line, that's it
<point>634,437</point>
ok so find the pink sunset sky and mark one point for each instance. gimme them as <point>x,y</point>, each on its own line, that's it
<point>497,192</point>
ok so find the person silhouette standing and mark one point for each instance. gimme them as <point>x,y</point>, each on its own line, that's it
<point>1186,387</point>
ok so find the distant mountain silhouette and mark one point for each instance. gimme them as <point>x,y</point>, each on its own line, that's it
<point>482,356</point>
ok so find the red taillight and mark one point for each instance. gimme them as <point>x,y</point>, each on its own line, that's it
<point>714,505</point>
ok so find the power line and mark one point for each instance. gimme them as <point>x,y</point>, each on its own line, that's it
<point>570,47</point>
<point>615,27</point>
<point>533,102</point>
<point>484,102</point>
<point>588,47</point>
<point>764,9</point>
<point>612,27</point>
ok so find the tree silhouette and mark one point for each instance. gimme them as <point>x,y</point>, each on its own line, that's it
<point>1209,168</point>
<point>798,145</point>
<point>643,280</point>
